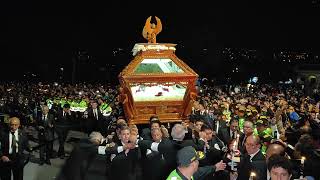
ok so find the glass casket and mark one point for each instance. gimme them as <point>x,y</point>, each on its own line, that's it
<point>157,82</point>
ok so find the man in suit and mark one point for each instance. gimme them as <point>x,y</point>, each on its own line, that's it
<point>13,143</point>
<point>247,131</point>
<point>154,123</point>
<point>95,120</point>
<point>219,123</point>
<point>230,133</point>
<point>63,124</point>
<point>212,148</point>
<point>252,161</point>
<point>45,134</point>
<point>153,163</point>
<point>124,156</point>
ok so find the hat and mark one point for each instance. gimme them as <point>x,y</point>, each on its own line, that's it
<point>294,116</point>
<point>262,121</point>
<point>242,108</point>
<point>187,155</point>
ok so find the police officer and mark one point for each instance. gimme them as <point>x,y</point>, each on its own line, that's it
<point>264,133</point>
<point>188,162</point>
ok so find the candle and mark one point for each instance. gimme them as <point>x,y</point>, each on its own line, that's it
<point>302,166</point>
<point>237,141</point>
<point>252,175</point>
<point>234,146</point>
<point>232,161</point>
<point>302,160</point>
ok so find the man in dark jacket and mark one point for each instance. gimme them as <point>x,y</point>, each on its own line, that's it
<point>13,143</point>
<point>124,156</point>
<point>45,135</point>
<point>253,160</point>
<point>64,123</point>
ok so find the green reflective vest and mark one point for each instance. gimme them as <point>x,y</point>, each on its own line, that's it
<point>241,123</point>
<point>266,137</point>
<point>175,176</point>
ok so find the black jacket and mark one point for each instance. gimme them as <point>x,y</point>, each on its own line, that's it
<point>45,127</point>
<point>258,165</point>
<point>23,144</point>
<point>123,166</point>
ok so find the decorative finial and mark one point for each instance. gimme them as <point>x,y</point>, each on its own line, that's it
<point>151,30</point>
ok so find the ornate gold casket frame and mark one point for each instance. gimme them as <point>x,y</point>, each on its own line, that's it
<point>157,82</point>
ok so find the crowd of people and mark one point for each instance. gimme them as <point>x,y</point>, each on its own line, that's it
<point>233,132</point>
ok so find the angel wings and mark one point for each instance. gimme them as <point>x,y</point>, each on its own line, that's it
<point>150,30</point>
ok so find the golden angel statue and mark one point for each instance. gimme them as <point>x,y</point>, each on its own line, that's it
<point>151,30</point>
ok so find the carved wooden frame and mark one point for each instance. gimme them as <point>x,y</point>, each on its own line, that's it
<point>168,111</point>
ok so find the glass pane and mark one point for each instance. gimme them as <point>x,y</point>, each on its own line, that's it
<point>158,92</point>
<point>158,66</point>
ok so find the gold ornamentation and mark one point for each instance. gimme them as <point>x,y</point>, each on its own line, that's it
<point>150,30</point>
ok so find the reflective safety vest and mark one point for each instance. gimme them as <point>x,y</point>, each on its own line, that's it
<point>175,176</point>
<point>241,124</point>
<point>105,109</point>
<point>62,102</point>
<point>82,105</point>
<point>74,106</point>
<point>49,103</point>
<point>266,137</point>
<point>56,101</point>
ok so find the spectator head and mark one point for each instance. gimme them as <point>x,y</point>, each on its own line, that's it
<point>252,144</point>
<point>155,124</point>
<point>134,129</point>
<point>121,120</point>
<point>125,134</point>
<point>234,125</point>
<point>156,134</point>
<point>14,124</point>
<point>178,132</point>
<point>95,138</point>
<point>262,123</point>
<point>94,104</point>
<point>305,145</point>
<point>275,149</point>
<point>198,124</point>
<point>188,159</point>
<point>153,118</point>
<point>248,128</point>
<point>119,127</point>
<point>279,167</point>
<point>209,133</point>
<point>45,110</point>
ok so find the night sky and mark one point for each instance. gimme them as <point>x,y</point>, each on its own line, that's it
<point>41,38</point>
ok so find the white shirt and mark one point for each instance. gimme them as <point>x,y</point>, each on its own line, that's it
<point>10,141</point>
<point>235,134</point>
<point>44,116</point>
<point>217,126</point>
<point>252,155</point>
<point>119,150</point>
<point>95,113</point>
